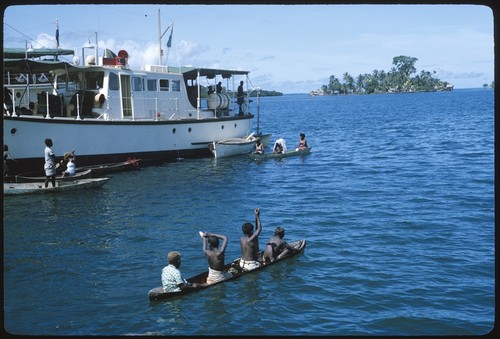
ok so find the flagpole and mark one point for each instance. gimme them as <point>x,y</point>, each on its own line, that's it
<point>159,38</point>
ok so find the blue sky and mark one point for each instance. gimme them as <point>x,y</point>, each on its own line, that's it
<point>287,48</point>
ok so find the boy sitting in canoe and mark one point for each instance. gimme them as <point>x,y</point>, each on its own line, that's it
<point>171,278</point>
<point>215,256</point>
<point>276,247</point>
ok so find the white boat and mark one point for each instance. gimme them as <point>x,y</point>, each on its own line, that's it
<point>108,112</point>
<point>61,186</point>
<point>232,146</point>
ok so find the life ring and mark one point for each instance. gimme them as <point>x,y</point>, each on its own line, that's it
<point>158,115</point>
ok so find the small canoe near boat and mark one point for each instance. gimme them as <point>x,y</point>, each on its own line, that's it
<point>233,146</point>
<point>157,294</point>
<point>86,174</point>
<point>98,170</point>
<point>290,153</point>
<point>61,186</point>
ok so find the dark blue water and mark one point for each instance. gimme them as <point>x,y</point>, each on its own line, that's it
<point>396,202</point>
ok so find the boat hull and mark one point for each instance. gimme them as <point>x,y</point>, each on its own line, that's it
<point>157,294</point>
<point>98,141</point>
<point>61,186</point>
<point>265,156</point>
<point>233,146</point>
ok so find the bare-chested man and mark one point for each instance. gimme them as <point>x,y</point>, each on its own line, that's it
<point>250,243</point>
<point>215,257</point>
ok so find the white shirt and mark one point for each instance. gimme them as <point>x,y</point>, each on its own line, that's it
<point>71,168</point>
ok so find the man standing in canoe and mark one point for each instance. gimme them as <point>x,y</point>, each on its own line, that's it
<point>215,256</point>
<point>50,164</point>
<point>250,244</point>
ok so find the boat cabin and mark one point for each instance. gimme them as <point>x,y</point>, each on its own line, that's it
<point>112,91</point>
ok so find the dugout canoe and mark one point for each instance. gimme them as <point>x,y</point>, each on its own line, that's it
<point>291,153</point>
<point>86,174</point>
<point>61,186</point>
<point>157,293</point>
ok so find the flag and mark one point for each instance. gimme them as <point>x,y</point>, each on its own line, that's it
<point>169,42</point>
<point>57,33</point>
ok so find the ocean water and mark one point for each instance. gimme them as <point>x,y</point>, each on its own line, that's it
<point>396,202</point>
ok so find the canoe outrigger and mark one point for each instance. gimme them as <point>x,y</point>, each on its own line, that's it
<point>157,293</point>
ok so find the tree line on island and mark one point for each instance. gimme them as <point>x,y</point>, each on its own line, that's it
<point>400,79</point>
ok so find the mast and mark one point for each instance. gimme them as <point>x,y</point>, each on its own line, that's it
<point>160,52</point>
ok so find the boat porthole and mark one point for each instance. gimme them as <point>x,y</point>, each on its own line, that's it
<point>173,131</point>
<point>13,131</point>
<point>189,129</point>
<point>222,127</point>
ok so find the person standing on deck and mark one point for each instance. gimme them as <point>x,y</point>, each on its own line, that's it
<point>215,256</point>
<point>241,97</point>
<point>249,243</point>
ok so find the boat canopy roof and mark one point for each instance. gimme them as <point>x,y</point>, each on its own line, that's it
<point>210,73</point>
<point>18,53</point>
<point>33,66</point>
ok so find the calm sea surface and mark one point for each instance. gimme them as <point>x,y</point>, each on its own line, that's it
<point>396,202</point>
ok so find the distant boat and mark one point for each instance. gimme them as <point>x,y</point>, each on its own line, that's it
<point>61,186</point>
<point>290,153</point>
<point>78,175</point>
<point>233,146</point>
<point>317,92</point>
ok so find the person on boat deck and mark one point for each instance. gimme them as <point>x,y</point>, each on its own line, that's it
<point>210,90</point>
<point>302,142</point>
<point>276,247</point>
<point>241,97</point>
<point>249,243</point>
<point>219,87</point>
<point>279,146</point>
<point>171,278</point>
<point>50,164</point>
<point>70,166</point>
<point>215,257</point>
<point>259,147</point>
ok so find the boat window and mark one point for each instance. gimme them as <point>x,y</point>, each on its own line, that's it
<point>176,85</point>
<point>94,80</point>
<point>113,82</point>
<point>163,85</point>
<point>136,84</point>
<point>68,82</point>
<point>152,85</point>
